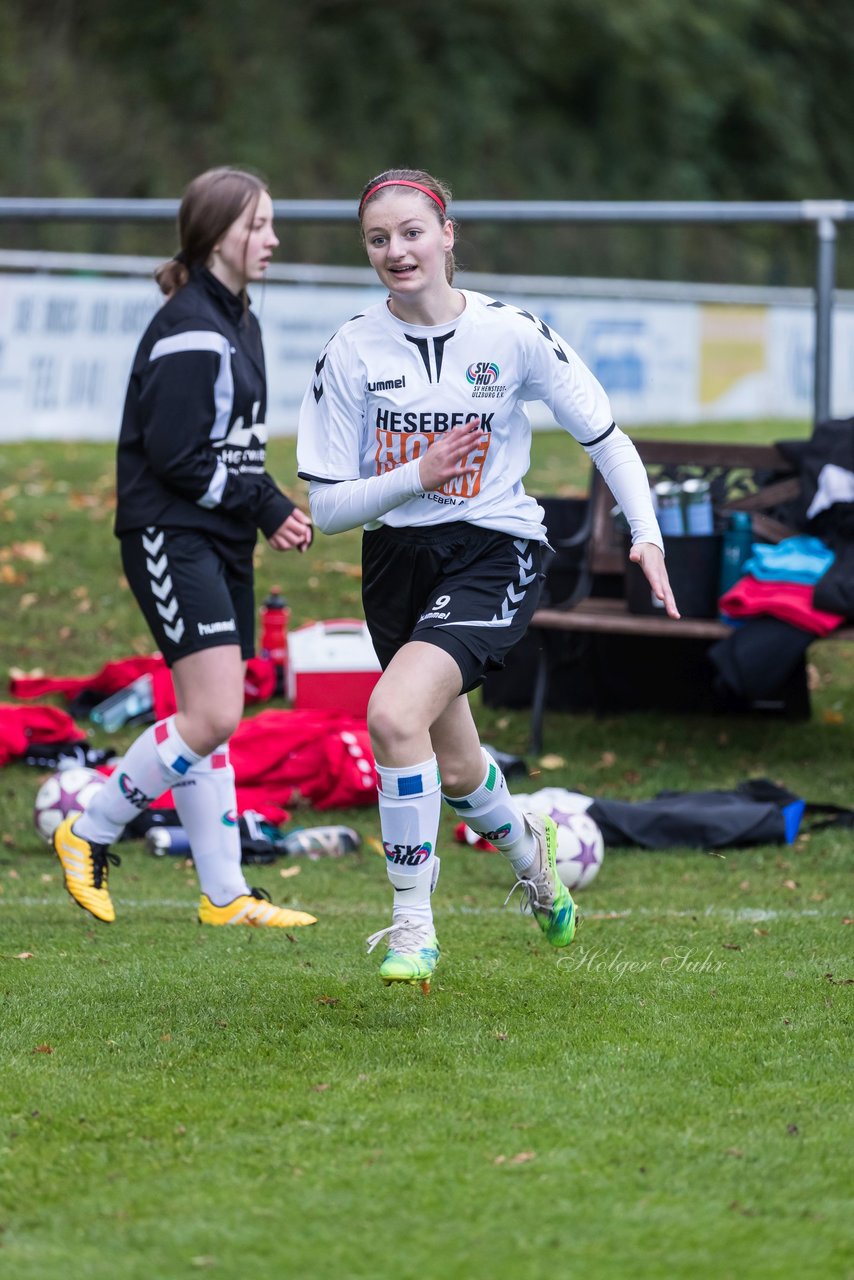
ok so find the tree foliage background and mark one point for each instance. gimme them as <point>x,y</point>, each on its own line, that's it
<point>522,99</point>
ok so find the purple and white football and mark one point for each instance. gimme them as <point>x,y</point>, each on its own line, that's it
<point>64,792</point>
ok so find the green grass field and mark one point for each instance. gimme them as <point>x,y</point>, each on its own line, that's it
<point>670,1097</point>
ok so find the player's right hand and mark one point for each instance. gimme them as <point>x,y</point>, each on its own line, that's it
<point>294,533</point>
<point>447,457</point>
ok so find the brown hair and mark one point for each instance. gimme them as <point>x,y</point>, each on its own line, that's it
<point>434,193</point>
<point>211,203</point>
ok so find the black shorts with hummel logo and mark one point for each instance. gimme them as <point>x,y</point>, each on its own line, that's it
<point>195,590</point>
<point>468,590</point>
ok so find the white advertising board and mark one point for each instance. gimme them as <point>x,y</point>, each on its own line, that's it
<point>66,345</point>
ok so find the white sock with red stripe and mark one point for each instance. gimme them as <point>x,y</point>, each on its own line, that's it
<point>155,762</point>
<point>207,806</point>
<point>410,803</point>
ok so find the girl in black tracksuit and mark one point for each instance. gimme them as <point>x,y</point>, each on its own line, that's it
<point>192,492</point>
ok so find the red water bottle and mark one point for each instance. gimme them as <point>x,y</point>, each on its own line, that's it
<point>275,615</point>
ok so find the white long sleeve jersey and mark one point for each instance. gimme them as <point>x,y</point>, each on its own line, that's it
<point>383,391</point>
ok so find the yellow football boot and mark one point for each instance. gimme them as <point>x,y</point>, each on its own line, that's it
<point>253,908</point>
<point>85,869</point>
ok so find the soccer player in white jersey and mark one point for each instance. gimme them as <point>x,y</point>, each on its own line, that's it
<point>415,427</point>
<point>192,493</point>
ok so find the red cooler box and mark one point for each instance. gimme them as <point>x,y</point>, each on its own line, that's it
<point>332,665</point>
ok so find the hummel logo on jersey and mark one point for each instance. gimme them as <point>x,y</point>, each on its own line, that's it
<point>390,384</point>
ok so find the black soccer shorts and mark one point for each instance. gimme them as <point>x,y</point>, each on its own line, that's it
<point>196,591</point>
<point>468,590</point>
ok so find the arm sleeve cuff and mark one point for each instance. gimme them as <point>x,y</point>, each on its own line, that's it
<point>620,466</point>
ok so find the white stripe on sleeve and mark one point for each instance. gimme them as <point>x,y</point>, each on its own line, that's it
<point>216,488</point>
<point>206,340</point>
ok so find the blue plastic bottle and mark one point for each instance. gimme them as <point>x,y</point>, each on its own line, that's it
<point>736,549</point>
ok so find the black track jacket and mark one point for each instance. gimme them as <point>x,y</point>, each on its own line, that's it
<point>192,445</point>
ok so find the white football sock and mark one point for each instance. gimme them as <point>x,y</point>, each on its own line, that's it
<point>155,762</point>
<point>207,807</point>
<point>492,812</point>
<point>410,804</point>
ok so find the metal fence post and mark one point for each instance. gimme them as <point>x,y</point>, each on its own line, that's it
<point>824,287</point>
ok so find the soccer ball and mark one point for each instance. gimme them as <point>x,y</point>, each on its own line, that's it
<point>580,848</point>
<point>64,792</point>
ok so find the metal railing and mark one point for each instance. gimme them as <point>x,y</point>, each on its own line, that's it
<point>823,215</point>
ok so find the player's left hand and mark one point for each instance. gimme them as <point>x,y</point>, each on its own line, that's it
<point>651,560</point>
<point>293,534</point>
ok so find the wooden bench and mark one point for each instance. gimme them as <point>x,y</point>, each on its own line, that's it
<point>745,477</point>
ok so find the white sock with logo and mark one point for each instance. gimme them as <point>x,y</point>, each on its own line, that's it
<point>206,801</point>
<point>155,762</point>
<point>492,812</point>
<point>410,804</point>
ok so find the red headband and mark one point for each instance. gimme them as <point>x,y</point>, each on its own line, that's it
<point>401,182</point>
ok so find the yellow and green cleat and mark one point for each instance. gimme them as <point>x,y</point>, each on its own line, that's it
<point>546,896</point>
<point>412,955</point>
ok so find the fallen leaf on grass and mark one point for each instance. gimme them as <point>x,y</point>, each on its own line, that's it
<point>501,1035</point>
<point>18,673</point>
<point>607,760</point>
<point>735,1152</point>
<point>742,1209</point>
<point>521,1157</point>
<point>790,884</point>
<point>25,955</point>
<point>32,552</point>
<point>287,872</point>
<point>46,877</point>
<point>343,567</point>
<point>552,762</point>
<point>13,875</point>
<point>321,1088</point>
<point>839,982</point>
<point>730,946</point>
<point>792,1130</point>
<point>328,1000</point>
<point>83,501</point>
<point>43,1048</point>
<point>832,717</point>
<point>848,919</point>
